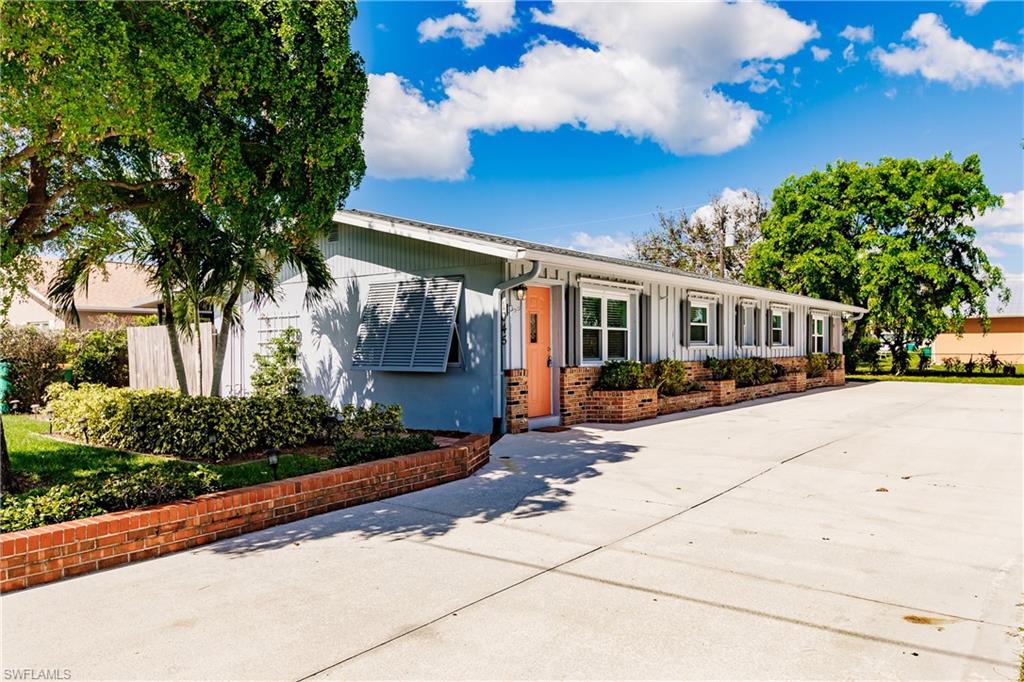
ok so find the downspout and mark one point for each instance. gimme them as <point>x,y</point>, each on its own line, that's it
<point>499,325</point>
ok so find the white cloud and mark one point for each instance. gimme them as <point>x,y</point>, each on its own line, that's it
<point>850,54</point>
<point>483,18</point>
<point>890,93</point>
<point>651,74</point>
<point>614,245</point>
<point>820,54</point>
<point>858,34</point>
<point>1010,214</point>
<point>938,56</point>
<point>406,136</point>
<point>972,7</point>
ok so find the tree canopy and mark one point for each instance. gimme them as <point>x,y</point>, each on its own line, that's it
<point>249,108</point>
<point>893,237</point>
<point>714,241</point>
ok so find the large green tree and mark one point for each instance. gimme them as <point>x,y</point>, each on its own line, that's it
<point>894,237</point>
<point>254,107</point>
<point>249,110</point>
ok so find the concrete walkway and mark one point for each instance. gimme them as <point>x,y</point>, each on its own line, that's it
<point>871,531</point>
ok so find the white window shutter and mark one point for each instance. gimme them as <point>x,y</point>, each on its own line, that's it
<point>407,326</point>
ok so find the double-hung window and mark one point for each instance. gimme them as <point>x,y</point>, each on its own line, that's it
<point>605,327</point>
<point>700,322</point>
<point>817,334</point>
<point>779,328</point>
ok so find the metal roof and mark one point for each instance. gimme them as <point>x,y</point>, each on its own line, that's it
<point>527,246</point>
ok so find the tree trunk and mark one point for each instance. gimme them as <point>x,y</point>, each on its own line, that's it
<point>172,338</point>
<point>6,473</point>
<point>199,351</point>
<point>220,349</point>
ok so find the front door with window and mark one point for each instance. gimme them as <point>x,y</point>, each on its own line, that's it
<point>538,350</point>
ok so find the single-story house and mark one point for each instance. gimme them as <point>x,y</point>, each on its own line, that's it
<point>118,297</point>
<point>438,319</point>
<point>1005,337</point>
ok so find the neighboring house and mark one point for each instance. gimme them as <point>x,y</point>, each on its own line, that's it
<point>1005,337</point>
<point>432,317</point>
<point>119,296</point>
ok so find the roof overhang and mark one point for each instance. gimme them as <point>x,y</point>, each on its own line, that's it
<point>401,229</point>
<point>684,280</point>
<point>583,261</point>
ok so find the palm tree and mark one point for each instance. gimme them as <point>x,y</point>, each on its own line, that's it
<point>254,256</point>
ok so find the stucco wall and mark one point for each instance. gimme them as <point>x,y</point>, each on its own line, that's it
<point>1005,337</point>
<point>460,398</point>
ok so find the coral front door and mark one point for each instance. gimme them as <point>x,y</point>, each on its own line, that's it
<point>538,350</point>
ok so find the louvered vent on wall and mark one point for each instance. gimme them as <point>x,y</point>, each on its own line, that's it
<point>407,326</point>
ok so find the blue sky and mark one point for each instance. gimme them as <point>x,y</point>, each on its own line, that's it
<point>573,123</point>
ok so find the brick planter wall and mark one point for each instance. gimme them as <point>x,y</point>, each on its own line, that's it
<point>723,391</point>
<point>41,555</point>
<point>818,382</point>
<point>516,401</point>
<point>622,407</point>
<point>574,392</point>
<point>836,377</point>
<point>761,391</point>
<point>797,382</point>
<point>681,403</point>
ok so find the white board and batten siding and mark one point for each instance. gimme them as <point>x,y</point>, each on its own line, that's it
<point>660,324</point>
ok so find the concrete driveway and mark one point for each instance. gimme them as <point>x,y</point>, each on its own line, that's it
<point>872,531</point>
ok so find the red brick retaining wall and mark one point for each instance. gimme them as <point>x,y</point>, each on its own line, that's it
<point>761,391</point>
<point>517,396</point>
<point>574,392</point>
<point>818,382</point>
<point>41,555</point>
<point>687,401</point>
<point>622,407</point>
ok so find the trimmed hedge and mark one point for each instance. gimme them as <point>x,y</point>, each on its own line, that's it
<point>200,428</point>
<point>672,378</point>
<point>622,375</point>
<point>744,371</point>
<point>154,484</point>
<point>380,446</point>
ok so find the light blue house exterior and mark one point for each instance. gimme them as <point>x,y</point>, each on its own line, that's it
<point>430,317</point>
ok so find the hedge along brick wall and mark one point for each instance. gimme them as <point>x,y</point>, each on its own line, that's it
<point>42,555</point>
<point>517,398</point>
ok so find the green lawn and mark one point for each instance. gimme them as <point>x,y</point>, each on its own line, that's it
<point>933,374</point>
<point>47,461</point>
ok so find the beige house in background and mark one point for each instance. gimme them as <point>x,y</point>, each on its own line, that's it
<point>1005,336</point>
<point>118,297</point>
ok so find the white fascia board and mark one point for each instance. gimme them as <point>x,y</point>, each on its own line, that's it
<point>686,281</point>
<point>401,229</point>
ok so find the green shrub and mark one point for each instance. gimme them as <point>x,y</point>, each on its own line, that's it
<point>99,356</point>
<point>816,365</point>
<point>380,446</point>
<point>55,505</point>
<point>952,365</point>
<point>670,377</point>
<point>750,371</point>
<point>155,484</point>
<point>744,371</point>
<point>278,372</point>
<point>834,360</point>
<point>35,356</point>
<point>357,422</point>
<point>621,375</point>
<point>869,352</point>
<point>200,428</point>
